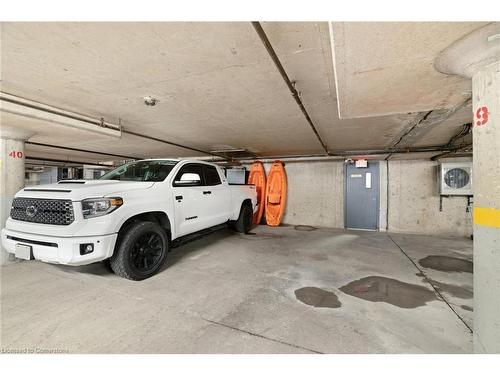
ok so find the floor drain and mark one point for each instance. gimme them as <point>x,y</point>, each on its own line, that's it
<point>305,228</point>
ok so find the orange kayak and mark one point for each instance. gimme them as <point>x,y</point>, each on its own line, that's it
<point>257,177</point>
<point>276,194</point>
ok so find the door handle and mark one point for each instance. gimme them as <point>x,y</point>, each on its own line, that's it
<point>207,192</point>
<point>178,197</point>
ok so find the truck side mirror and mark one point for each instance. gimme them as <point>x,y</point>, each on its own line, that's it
<point>189,179</point>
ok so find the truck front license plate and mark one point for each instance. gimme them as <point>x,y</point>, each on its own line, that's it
<point>23,252</point>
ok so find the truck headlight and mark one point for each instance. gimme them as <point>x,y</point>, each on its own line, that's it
<point>94,207</point>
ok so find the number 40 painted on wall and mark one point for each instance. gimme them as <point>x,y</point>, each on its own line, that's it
<point>16,154</point>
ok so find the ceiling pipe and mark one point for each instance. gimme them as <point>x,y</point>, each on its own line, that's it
<point>31,109</point>
<point>263,37</point>
<point>67,161</point>
<point>391,150</point>
<point>296,159</point>
<point>425,121</point>
<point>81,150</point>
<point>175,144</point>
<point>452,152</point>
<point>452,155</point>
<point>335,155</point>
<point>465,131</point>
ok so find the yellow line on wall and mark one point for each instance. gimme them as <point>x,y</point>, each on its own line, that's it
<point>487,217</point>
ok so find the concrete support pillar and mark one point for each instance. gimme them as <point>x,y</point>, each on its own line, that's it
<point>477,56</point>
<point>486,180</point>
<point>12,164</point>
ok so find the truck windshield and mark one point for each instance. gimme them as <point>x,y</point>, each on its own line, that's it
<point>149,170</point>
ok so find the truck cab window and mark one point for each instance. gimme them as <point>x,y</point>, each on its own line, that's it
<point>211,175</point>
<point>149,170</point>
<point>190,168</point>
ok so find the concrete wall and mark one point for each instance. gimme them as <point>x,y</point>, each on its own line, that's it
<point>315,193</point>
<point>48,176</point>
<point>315,197</point>
<point>32,178</point>
<point>414,202</point>
<point>320,192</point>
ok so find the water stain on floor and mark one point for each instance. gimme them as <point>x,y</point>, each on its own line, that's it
<point>394,292</point>
<point>446,264</point>
<point>305,228</point>
<point>454,290</point>
<point>317,297</point>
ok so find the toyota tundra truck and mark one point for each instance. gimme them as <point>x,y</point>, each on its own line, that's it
<point>129,217</point>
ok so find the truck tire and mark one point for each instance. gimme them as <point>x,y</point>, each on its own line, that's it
<point>244,222</point>
<point>141,251</point>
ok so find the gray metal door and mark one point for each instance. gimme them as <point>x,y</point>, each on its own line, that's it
<point>361,188</point>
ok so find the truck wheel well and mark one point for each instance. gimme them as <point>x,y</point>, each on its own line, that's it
<point>158,217</point>
<point>247,201</point>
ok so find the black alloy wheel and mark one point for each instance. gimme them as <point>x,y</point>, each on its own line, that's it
<point>146,252</point>
<point>140,251</point>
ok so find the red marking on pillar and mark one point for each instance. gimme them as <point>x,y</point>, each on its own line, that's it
<point>482,116</point>
<point>16,154</point>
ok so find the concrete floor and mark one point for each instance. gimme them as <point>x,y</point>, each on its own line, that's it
<point>232,293</point>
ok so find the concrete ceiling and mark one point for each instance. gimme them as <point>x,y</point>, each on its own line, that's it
<point>218,88</point>
<point>384,68</point>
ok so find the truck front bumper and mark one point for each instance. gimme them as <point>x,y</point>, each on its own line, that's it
<point>60,250</point>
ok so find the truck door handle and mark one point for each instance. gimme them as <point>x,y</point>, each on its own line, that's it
<point>178,197</point>
<point>207,192</point>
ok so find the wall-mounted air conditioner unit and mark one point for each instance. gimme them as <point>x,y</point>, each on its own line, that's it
<point>455,178</point>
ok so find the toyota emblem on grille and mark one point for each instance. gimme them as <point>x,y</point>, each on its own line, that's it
<point>31,211</point>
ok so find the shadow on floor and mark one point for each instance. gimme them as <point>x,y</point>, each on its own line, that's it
<point>189,245</point>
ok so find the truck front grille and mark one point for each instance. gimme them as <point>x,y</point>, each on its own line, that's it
<point>43,211</point>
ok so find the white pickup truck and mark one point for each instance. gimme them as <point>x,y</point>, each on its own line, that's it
<point>129,216</point>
